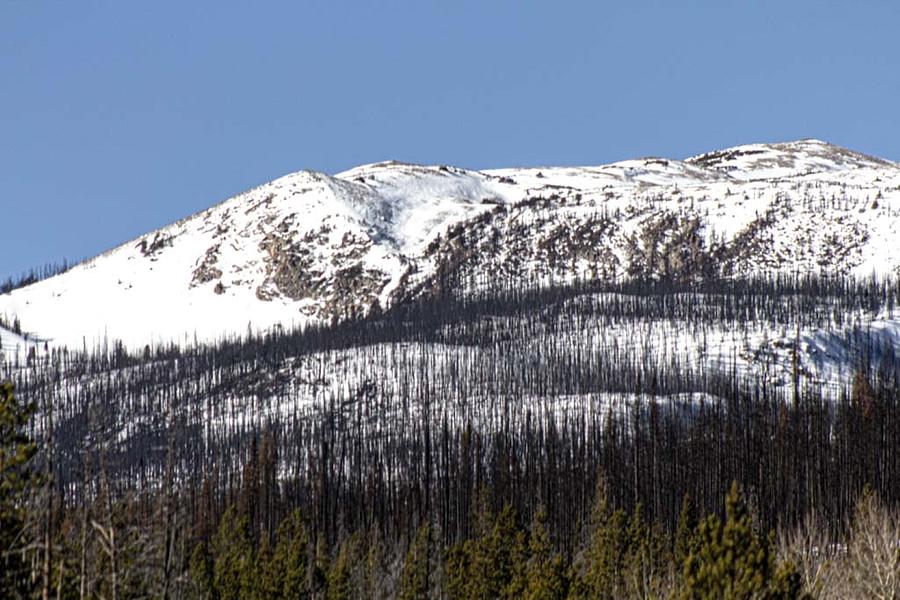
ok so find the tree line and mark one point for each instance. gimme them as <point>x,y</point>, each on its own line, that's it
<point>33,275</point>
<point>420,431</point>
<point>153,543</point>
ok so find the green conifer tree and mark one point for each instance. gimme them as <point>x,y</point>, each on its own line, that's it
<point>786,583</point>
<point>320,569</point>
<point>730,561</point>
<point>288,567</point>
<point>545,575</point>
<point>339,585</point>
<point>201,570</point>
<point>265,578</point>
<point>234,565</point>
<point>416,568</point>
<point>684,533</point>
<point>16,478</point>
<point>377,577</point>
<point>606,551</point>
<point>457,567</point>
<point>498,554</point>
<point>493,564</point>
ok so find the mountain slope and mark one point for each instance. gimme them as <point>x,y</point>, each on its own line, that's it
<point>310,247</point>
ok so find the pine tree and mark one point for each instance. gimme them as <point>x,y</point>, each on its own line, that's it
<point>457,568</point>
<point>377,577</point>
<point>518,559</point>
<point>248,501</point>
<point>730,561</point>
<point>416,568</point>
<point>546,579</point>
<point>201,570</point>
<point>286,572</point>
<point>492,565</point>
<point>684,532</point>
<point>16,479</point>
<point>496,562</point>
<point>233,569</point>
<point>786,583</point>
<point>265,579</point>
<point>605,553</point>
<point>339,585</point>
<point>320,568</point>
<point>646,558</point>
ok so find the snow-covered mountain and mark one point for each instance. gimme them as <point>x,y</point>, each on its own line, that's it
<point>312,247</point>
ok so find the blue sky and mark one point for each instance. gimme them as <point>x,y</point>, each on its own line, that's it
<point>119,117</point>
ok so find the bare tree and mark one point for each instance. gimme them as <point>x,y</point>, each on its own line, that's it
<point>815,554</point>
<point>873,557</point>
<point>107,534</point>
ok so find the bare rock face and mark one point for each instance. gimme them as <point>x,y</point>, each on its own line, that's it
<point>291,269</point>
<point>207,271</point>
<point>521,243</point>
<point>669,245</point>
<point>329,271</point>
<point>150,247</point>
<point>356,292</point>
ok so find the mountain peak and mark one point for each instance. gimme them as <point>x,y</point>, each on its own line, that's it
<point>785,159</point>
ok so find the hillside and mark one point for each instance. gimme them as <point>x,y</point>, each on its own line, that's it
<point>313,248</point>
<point>519,338</point>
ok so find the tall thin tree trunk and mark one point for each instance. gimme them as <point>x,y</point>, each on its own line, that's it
<point>169,535</point>
<point>82,586</point>
<point>48,509</point>
<point>108,534</point>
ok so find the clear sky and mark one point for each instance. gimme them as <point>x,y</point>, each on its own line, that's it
<point>119,117</point>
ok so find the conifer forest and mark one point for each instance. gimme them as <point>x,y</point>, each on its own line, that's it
<point>587,440</point>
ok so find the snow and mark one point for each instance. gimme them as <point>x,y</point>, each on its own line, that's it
<point>828,205</point>
<point>12,344</point>
<point>792,159</point>
<point>407,204</point>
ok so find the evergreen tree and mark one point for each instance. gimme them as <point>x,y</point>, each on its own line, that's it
<point>684,532</point>
<point>457,568</point>
<point>16,479</point>
<point>266,576</point>
<point>546,578</point>
<point>201,571</point>
<point>320,569</point>
<point>786,584</point>
<point>233,571</point>
<point>377,579</point>
<point>730,561</point>
<point>600,576</point>
<point>339,584</point>
<point>646,558</point>
<point>286,572</point>
<point>496,562</point>
<point>416,568</point>
<point>492,565</point>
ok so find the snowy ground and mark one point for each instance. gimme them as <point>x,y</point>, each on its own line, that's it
<point>311,247</point>
<point>12,344</point>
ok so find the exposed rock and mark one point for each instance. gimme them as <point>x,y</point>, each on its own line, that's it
<point>152,248</point>
<point>207,270</point>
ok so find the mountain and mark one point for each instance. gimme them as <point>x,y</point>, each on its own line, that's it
<point>311,247</point>
<point>662,323</point>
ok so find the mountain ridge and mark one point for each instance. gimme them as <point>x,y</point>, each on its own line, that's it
<point>310,247</point>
